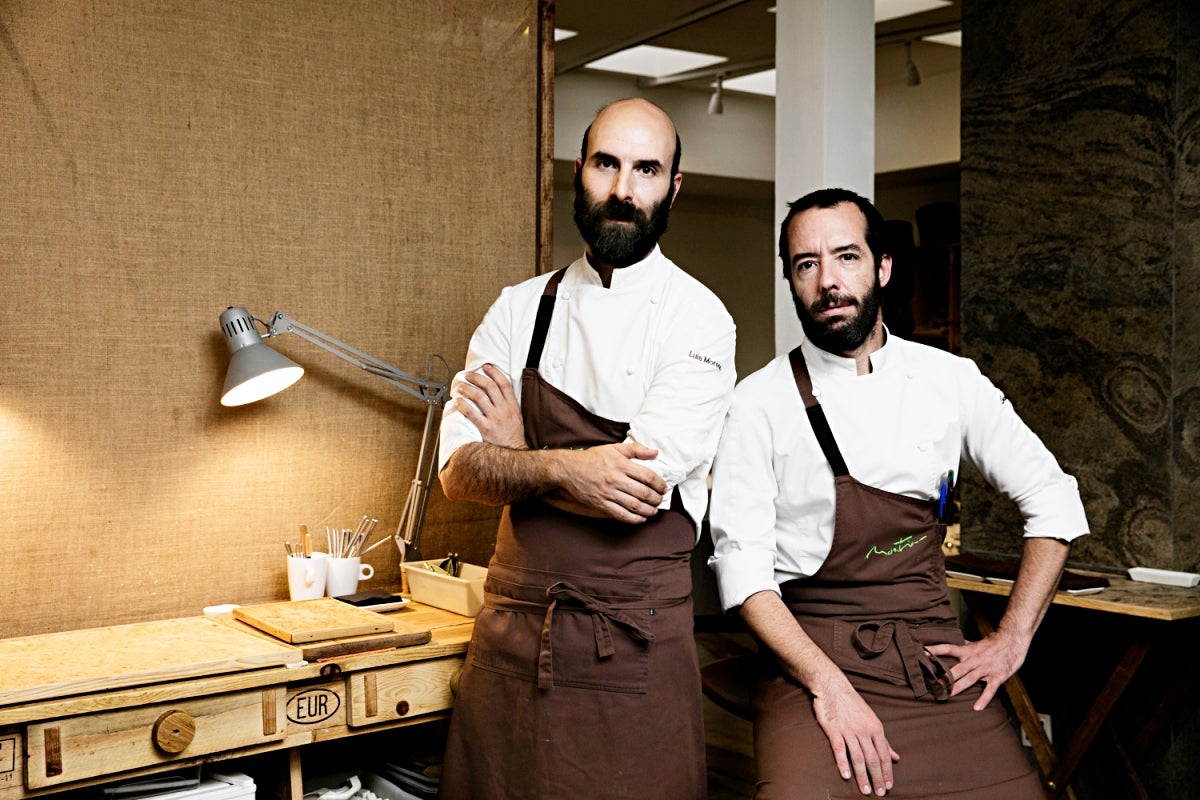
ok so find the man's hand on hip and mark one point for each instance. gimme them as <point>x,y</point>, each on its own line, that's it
<point>992,660</point>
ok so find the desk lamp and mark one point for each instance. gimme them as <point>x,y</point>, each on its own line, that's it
<point>256,371</point>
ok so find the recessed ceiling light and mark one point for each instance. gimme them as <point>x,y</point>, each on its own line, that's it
<point>563,33</point>
<point>648,61</point>
<point>754,83</point>
<point>952,38</point>
<point>890,9</point>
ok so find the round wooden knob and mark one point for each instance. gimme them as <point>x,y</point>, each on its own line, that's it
<point>455,679</point>
<point>174,731</point>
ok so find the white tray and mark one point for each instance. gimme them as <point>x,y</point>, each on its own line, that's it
<point>1164,576</point>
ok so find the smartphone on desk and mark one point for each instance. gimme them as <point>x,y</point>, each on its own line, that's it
<point>375,600</point>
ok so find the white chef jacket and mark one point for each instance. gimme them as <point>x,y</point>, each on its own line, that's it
<point>655,349</point>
<point>900,428</point>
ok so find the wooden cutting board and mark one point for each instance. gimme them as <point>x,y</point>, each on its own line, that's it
<point>297,621</point>
<point>100,659</point>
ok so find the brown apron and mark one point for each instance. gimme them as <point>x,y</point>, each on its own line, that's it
<point>872,607</point>
<point>581,679</point>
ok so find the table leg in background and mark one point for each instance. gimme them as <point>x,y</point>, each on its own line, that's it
<point>1026,713</point>
<point>1113,689</point>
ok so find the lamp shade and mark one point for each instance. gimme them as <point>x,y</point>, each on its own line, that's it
<point>255,370</point>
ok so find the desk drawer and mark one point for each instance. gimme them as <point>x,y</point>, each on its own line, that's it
<point>74,748</point>
<point>401,692</point>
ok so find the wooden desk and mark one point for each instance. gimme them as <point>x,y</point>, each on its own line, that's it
<point>73,717</point>
<point>1130,599</point>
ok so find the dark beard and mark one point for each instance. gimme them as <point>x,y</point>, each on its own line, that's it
<point>619,245</point>
<point>839,336</point>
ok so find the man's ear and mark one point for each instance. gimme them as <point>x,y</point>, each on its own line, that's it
<point>678,181</point>
<point>885,270</point>
<point>578,164</point>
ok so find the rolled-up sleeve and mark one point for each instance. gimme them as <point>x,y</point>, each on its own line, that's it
<point>1012,458</point>
<point>743,503</point>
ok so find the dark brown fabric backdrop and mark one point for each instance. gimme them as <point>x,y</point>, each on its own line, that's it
<point>368,168</point>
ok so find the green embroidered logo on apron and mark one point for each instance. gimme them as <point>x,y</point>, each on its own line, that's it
<point>901,544</point>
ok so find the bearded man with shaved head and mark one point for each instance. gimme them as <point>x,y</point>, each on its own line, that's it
<point>590,407</point>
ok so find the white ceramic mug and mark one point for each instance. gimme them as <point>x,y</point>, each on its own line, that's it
<point>306,576</point>
<point>344,575</point>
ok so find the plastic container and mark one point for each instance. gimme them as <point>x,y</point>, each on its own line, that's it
<point>384,788</point>
<point>216,786</point>
<point>339,787</point>
<point>462,595</point>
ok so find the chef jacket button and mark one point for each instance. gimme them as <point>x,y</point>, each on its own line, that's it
<point>557,363</point>
<point>816,392</point>
<point>923,446</point>
<point>565,294</point>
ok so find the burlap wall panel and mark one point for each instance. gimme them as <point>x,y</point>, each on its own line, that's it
<point>368,168</point>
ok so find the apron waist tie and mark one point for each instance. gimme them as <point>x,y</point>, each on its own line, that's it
<point>926,674</point>
<point>601,613</point>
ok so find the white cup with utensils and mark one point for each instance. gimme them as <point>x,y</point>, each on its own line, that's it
<point>344,574</point>
<point>306,576</point>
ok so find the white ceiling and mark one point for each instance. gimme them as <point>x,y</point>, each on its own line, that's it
<point>739,32</point>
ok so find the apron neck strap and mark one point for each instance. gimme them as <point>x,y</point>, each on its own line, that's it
<point>816,416</point>
<point>541,324</point>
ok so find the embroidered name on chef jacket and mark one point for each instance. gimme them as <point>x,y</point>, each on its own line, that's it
<point>703,359</point>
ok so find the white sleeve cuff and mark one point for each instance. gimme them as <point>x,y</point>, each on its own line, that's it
<point>741,573</point>
<point>1056,510</point>
<point>456,430</point>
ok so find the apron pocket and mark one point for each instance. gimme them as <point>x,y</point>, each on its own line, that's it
<point>939,633</point>
<point>578,662</point>
<point>507,642</point>
<point>596,640</point>
<point>879,659</point>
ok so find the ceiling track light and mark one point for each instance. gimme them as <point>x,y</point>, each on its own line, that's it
<point>912,76</point>
<point>716,104</point>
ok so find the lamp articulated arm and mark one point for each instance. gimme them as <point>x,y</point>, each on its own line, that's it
<point>245,343</point>
<point>427,390</point>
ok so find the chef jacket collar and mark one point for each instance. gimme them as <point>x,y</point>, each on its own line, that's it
<point>635,277</point>
<point>827,362</point>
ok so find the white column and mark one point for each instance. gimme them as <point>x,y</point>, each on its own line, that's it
<point>824,114</point>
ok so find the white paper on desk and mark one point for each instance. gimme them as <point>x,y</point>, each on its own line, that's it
<point>964,576</point>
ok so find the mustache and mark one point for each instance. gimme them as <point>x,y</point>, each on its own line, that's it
<point>834,299</point>
<point>621,211</point>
